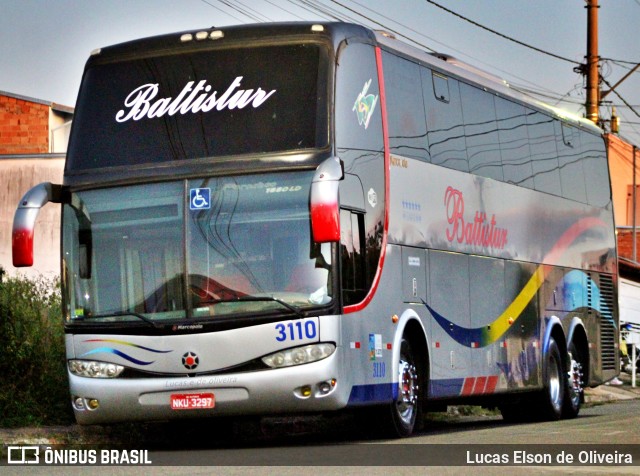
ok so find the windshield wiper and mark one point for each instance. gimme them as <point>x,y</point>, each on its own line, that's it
<point>291,307</point>
<point>142,317</point>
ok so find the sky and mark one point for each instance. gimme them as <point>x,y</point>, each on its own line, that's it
<point>44,44</point>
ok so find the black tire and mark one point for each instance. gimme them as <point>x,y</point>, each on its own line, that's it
<point>550,401</point>
<point>401,418</point>
<point>574,395</point>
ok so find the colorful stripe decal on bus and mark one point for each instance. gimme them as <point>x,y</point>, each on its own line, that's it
<point>373,393</point>
<point>114,351</point>
<point>111,350</point>
<point>488,334</point>
<point>124,342</point>
<point>465,386</point>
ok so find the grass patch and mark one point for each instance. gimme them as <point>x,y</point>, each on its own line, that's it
<point>35,390</point>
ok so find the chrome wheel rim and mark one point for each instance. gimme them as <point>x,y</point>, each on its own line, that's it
<point>575,382</point>
<point>554,384</point>
<point>407,391</point>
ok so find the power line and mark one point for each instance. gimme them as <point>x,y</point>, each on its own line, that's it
<point>222,11</point>
<point>240,10</point>
<point>284,9</point>
<point>620,97</point>
<point>382,25</point>
<point>503,35</point>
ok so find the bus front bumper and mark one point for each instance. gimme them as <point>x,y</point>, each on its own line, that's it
<point>313,387</point>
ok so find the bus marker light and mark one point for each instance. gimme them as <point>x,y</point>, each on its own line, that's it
<point>201,35</point>
<point>186,37</point>
<point>510,320</point>
<point>395,318</point>
<point>317,28</point>
<point>216,35</point>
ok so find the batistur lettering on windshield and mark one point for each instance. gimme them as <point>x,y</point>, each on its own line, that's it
<point>191,99</point>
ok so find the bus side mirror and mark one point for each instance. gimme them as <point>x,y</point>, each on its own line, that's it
<point>325,206</point>
<point>24,220</point>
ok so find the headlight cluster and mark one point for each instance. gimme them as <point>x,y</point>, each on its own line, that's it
<point>299,355</point>
<point>94,369</point>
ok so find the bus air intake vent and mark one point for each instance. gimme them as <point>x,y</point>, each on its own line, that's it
<point>607,325</point>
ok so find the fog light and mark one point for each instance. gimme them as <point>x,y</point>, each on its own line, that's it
<point>78,403</point>
<point>324,387</point>
<point>305,391</point>
<point>93,404</point>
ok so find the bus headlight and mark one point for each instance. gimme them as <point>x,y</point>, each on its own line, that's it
<point>299,355</point>
<point>94,369</point>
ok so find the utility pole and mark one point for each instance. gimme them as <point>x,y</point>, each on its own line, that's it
<point>593,75</point>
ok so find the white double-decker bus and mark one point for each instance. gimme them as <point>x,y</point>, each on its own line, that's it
<point>302,218</point>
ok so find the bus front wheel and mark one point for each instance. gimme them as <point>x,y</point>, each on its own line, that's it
<point>404,412</point>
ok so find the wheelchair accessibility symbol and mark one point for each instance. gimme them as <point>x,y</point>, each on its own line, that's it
<point>200,199</point>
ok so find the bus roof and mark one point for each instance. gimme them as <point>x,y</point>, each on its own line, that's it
<point>335,33</point>
<point>484,79</point>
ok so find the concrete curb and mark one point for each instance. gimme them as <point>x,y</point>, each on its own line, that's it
<point>609,393</point>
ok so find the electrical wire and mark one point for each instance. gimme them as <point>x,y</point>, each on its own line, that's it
<point>502,35</point>
<point>285,10</point>
<point>222,11</point>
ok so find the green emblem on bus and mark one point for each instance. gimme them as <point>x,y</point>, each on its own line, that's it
<point>364,105</point>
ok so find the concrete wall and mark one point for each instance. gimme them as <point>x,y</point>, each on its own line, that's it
<point>17,176</point>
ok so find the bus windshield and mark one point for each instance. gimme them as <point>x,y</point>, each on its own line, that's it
<point>199,104</point>
<point>248,250</point>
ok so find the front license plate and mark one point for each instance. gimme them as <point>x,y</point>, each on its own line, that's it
<point>192,401</point>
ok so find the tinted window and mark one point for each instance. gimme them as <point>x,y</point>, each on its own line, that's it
<point>542,140</point>
<point>514,143</point>
<point>596,170</point>
<point>200,104</point>
<point>445,134</point>
<point>358,119</point>
<point>569,157</point>
<point>354,285</point>
<point>360,145</point>
<point>481,134</point>
<point>405,107</point>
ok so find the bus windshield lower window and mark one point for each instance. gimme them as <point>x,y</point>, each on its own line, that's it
<point>198,248</point>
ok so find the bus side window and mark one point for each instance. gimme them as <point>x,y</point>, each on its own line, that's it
<point>514,143</point>
<point>596,172</point>
<point>481,134</point>
<point>405,108</point>
<point>445,127</point>
<point>352,242</point>
<point>571,164</point>
<point>546,172</point>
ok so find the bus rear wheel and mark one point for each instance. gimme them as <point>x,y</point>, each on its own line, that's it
<point>551,399</point>
<point>575,384</point>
